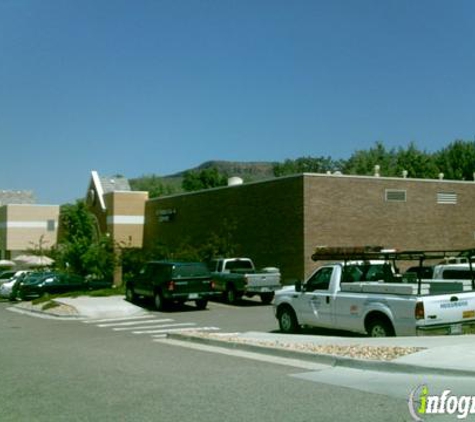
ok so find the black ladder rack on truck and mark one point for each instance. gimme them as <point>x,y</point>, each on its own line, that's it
<point>367,253</point>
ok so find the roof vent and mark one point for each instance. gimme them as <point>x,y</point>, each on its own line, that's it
<point>235,181</point>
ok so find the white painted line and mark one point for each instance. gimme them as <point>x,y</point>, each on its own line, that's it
<point>130,323</point>
<point>244,354</point>
<point>182,324</point>
<point>94,321</point>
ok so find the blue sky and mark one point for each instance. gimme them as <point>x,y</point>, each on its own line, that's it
<point>157,86</point>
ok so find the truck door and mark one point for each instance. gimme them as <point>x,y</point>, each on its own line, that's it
<point>314,302</point>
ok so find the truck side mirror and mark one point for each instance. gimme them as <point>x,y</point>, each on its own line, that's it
<point>298,286</point>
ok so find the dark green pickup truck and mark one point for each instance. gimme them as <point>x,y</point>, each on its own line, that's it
<point>167,282</point>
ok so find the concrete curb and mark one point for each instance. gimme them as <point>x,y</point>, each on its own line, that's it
<point>45,314</point>
<point>331,360</point>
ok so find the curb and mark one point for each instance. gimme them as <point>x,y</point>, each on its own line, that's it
<point>331,360</point>
<point>45,314</point>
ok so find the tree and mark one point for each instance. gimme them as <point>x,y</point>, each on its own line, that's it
<point>154,185</point>
<point>203,179</point>
<point>457,161</point>
<point>81,249</point>
<point>306,165</point>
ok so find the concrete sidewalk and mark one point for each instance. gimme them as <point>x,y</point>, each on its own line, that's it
<point>442,355</point>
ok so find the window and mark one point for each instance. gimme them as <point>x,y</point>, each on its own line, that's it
<point>320,280</point>
<point>393,195</point>
<point>51,225</point>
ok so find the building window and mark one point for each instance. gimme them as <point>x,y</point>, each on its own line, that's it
<point>393,195</point>
<point>51,225</point>
<point>447,198</point>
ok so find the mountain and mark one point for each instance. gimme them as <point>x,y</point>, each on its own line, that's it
<point>255,170</point>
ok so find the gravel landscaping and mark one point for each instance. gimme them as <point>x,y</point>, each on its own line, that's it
<point>356,351</point>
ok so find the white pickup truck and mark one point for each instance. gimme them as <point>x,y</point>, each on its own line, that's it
<point>355,296</point>
<point>237,277</point>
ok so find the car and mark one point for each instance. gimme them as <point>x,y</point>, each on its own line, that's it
<point>37,284</point>
<point>8,289</point>
<point>7,275</point>
<point>167,282</point>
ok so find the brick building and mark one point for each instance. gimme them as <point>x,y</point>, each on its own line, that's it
<point>280,221</point>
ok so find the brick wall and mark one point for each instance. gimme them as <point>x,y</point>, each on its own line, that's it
<point>352,211</point>
<point>279,222</point>
<point>265,221</point>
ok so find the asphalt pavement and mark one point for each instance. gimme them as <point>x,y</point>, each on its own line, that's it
<point>440,355</point>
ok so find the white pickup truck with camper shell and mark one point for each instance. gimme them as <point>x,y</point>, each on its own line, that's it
<point>365,294</point>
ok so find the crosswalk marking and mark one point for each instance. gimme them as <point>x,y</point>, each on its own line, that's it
<point>129,323</point>
<point>94,321</point>
<point>181,324</point>
<point>148,324</point>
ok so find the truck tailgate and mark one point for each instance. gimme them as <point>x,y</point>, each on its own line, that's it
<point>263,280</point>
<point>450,308</point>
<point>192,285</point>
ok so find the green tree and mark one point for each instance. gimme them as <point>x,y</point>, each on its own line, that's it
<point>307,165</point>
<point>418,164</point>
<point>154,185</point>
<point>203,179</point>
<point>457,160</point>
<point>363,162</point>
<point>81,249</point>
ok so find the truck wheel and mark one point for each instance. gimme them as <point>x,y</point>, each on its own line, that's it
<point>201,303</point>
<point>129,294</point>
<point>231,295</point>
<point>266,298</point>
<point>287,320</point>
<point>159,301</point>
<point>380,327</point>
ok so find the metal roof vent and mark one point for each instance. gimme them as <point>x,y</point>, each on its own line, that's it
<point>235,181</point>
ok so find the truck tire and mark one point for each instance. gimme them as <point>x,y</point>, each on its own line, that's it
<point>130,294</point>
<point>266,298</point>
<point>231,295</point>
<point>159,301</point>
<point>201,303</point>
<point>287,320</point>
<point>380,327</point>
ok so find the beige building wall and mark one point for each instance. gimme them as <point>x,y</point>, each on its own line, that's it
<point>125,217</point>
<point>24,227</point>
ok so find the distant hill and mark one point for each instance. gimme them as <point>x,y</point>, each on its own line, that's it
<point>166,185</point>
<point>255,170</point>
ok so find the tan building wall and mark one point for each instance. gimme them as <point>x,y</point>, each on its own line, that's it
<point>279,222</point>
<point>125,217</point>
<point>24,227</point>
